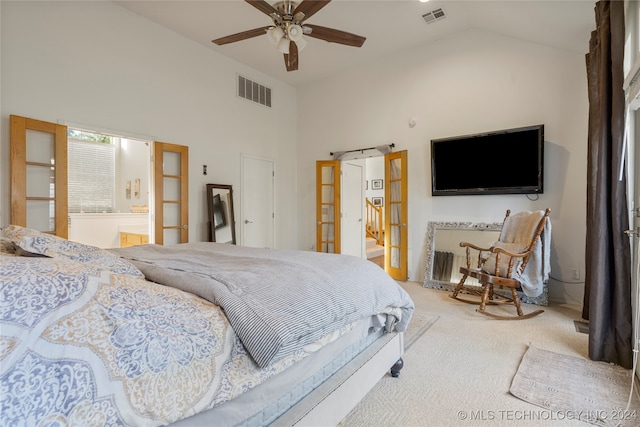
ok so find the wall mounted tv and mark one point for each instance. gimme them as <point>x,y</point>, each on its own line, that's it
<point>507,161</point>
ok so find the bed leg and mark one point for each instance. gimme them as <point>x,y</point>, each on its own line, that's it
<point>395,369</point>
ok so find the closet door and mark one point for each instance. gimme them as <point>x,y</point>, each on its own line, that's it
<point>395,216</point>
<point>38,168</point>
<point>171,192</point>
<point>328,206</point>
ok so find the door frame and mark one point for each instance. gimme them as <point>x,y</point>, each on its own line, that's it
<point>18,172</point>
<point>159,148</point>
<point>400,273</point>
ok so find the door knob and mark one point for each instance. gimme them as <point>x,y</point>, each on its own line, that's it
<point>185,226</point>
<point>246,221</point>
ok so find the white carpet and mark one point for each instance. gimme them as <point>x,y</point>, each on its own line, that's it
<point>459,372</point>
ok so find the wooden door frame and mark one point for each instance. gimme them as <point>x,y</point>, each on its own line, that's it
<point>18,172</point>
<point>336,164</point>
<point>158,184</point>
<point>400,273</point>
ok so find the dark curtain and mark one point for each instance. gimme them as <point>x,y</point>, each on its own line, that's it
<point>607,299</point>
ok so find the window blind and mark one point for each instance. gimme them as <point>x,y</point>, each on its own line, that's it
<point>91,176</point>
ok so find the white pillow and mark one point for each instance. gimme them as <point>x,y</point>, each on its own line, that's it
<point>37,242</point>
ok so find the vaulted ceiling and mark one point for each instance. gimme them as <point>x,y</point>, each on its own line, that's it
<point>389,26</point>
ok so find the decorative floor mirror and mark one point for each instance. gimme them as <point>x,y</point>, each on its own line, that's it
<point>444,256</point>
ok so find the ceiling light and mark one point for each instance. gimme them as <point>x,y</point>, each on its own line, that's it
<point>295,32</point>
<point>283,33</point>
<point>283,45</point>
<point>301,43</point>
<point>274,34</point>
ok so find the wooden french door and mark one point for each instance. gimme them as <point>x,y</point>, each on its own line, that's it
<point>171,193</point>
<point>38,168</point>
<point>328,206</point>
<point>395,215</point>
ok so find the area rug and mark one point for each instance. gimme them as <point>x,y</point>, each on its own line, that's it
<point>419,324</point>
<point>575,388</point>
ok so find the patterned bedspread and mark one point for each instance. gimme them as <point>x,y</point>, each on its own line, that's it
<point>85,340</point>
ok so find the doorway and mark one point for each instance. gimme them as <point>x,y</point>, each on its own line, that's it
<point>393,202</point>
<point>374,205</point>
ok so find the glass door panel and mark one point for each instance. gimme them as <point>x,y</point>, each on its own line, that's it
<point>328,206</point>
<point>38,163</point>
<point>396,245</point>
<point>171,237</point>
<point>40,181</point>
<point>41,147</point>
<point>41,214</point>
<point>171,180</point>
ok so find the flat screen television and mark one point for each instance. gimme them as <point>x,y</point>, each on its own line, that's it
<point>507,161</point>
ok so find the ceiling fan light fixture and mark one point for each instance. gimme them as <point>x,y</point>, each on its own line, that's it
<point>275,34</point>
<point>295,32</point>
<point>300,43</point>
<point>283,45</point>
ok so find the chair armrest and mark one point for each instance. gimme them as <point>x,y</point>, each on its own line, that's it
<point>497,250</point>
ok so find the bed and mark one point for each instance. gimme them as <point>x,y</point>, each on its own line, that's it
<point>189,334</point>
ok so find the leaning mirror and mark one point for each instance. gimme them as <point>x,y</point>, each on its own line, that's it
<point>444,255</point>
<point>222,225</point>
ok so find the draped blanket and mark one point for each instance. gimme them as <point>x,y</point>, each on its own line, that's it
<point>276,300</point>
<point>518,229</point>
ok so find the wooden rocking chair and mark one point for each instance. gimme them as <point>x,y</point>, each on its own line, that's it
<point>503,263</point>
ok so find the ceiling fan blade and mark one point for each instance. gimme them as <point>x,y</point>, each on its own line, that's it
<point>241,36</point>
<point>263,7</point>
<point>310,7</point>
<point>291,59</point>
<point>335,36</point>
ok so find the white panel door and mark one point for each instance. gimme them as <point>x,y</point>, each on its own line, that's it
<point>353,241</point>
<point>258,206</point>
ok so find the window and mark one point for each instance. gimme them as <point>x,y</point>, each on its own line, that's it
<point>91,172</point>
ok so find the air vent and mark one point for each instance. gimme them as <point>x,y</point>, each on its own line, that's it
<point>253,91</point>
<point>434,15</point>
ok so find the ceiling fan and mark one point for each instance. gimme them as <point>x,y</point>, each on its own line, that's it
<point>289,26</point>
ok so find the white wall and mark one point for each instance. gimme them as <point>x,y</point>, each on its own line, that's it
<point>472,82</point>
<point>101,66</point>
<point>133,162</point>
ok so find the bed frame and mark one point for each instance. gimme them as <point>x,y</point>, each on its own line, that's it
<point>328,404</point>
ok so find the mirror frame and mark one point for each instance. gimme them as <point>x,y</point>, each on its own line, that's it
<point>230,217</point>
<point>431,246</point>
<point>432,226</point>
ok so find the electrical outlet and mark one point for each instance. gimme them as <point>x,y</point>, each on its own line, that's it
<point>575,274</point>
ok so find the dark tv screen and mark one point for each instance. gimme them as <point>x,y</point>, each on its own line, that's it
<point>508,161</point>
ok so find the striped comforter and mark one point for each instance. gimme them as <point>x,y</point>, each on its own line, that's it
<point>277,300</point>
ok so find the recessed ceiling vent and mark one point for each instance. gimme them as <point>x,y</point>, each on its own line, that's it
<point>434,15</point>
<point>253,91</point>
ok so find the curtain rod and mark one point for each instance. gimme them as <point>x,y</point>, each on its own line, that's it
<point>362,149</point>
